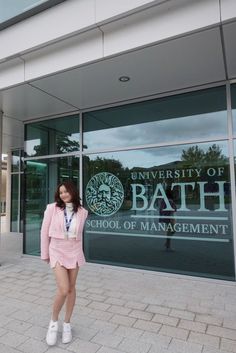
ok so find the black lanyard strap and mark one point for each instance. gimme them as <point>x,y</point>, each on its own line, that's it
<point>68,222</point>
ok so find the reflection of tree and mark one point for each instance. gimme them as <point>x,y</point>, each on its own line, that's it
<point>212,160</point>
<point>197,156</point>
<point>63,144</point>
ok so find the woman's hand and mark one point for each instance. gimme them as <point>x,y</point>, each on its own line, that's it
<point>46,260</point>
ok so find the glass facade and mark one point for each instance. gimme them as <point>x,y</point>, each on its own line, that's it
<point>200,114</point>
<point>41,179</point>
<point>56,136</point>
<point>13,11</point>
<point>132,158</point>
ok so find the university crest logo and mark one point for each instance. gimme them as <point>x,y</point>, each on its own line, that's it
<point>104,194</point>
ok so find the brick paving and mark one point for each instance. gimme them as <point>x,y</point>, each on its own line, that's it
<point>118,310</point>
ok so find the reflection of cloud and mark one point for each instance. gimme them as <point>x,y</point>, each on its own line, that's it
<point>154,156</point>
<point>212,125</point>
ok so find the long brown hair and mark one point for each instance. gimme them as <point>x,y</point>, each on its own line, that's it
<point>71,188</point>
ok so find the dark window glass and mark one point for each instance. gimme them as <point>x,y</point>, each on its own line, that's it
<point>15,203</point>
<point>189,116</point>
<point>163,208</point>
<point>54,136</point>
<point>233,103</point>
<point>41,180</point>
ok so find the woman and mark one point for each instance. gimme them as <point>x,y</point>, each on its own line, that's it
<point>61,245</point>
<point>168,218</point>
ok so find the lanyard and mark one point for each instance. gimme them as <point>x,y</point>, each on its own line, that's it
<point>68,222</point>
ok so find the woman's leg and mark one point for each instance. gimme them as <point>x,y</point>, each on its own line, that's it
<point>71,296</point>
<point>62,280</point>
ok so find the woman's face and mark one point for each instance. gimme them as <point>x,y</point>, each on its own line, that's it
<point>64,194</point>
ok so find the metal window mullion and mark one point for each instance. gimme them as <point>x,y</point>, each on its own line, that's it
<point>232,167</point>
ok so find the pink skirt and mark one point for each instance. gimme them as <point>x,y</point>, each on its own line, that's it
<point>68,253</point>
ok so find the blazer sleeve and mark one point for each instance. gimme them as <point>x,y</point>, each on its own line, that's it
<point>44,234</point>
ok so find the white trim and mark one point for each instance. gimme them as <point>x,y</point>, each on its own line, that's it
<point>173,237</point>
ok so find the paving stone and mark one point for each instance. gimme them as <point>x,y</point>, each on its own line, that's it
<point>175,304</point>
<point>102,315</point>
<point>123,320</point>
<point>204,339</point>
<point>147,325</point>
<point>36,332</point>
<point>115,301</point>
<point>12,339</point>
<point>156,309</point>
<point>21,315</point>
<point>134,346</point>
<point>33,346</point>
<point>198,309</point>
<point>192,325</point>
<point>183,314</point>
<point>179,346</point>
<point>3,331</point>
<point>157,349</point>
<point>109,350</point>
<point>18,326</point>
<point>221,332</point>
<point>103,326</point>
<point>81,346</point>
<point>95,290</point>
<point>109,340</point>
<point>84,333</point>
<point>129,332</point>
<point>139,314</point>
<point>116,309</point>
<point>209,319</point>
<point>136,305</point>
<point>4,319</point>
<point>230,323</point>
<point>83,320</point>
<point>97,297</point>
<point>174,332</point>
<point>7,349</point>
<point>165,319</point>
<point>157,340</point>
<point>228,345</point>
<point>213,350</point>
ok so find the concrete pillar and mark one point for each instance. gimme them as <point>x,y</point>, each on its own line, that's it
<point>8,192</point>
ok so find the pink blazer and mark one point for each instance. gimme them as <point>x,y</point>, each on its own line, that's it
<point>53,226</point>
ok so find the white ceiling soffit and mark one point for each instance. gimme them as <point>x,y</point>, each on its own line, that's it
<point>229,31</point>
<point>180,63</point>
<point>26,102</point>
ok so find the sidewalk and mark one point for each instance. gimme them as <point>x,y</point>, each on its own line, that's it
<point>118,310</point>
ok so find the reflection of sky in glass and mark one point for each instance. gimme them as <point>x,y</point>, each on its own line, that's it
<point>234,119</point>
<point>29,146</point>
<point>211,125</point>
<point>11,8</point>
<point>154,156</point>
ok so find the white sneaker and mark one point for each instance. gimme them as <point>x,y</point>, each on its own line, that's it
<point>51,337</point>
<point>66,333</point>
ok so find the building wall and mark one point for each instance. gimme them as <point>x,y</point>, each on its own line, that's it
<point>98,29</point>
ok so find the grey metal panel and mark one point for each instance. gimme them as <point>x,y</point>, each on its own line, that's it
<point>229,32</point>
<point>192,60</point>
